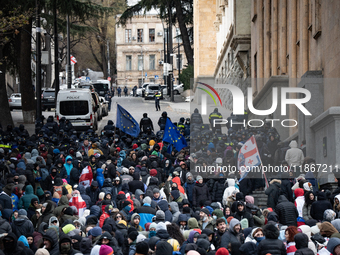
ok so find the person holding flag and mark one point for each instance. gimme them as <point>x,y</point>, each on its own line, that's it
<point>173,136</point>
<point>126,123</point>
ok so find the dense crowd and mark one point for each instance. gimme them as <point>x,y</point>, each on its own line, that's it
<point>144,196</point>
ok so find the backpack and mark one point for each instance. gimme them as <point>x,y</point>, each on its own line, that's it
<point>58,189</point>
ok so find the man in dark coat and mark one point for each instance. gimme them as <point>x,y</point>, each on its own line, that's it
<point>11,246</point>
<point>301,244</point>
<point>65,245</point>
<point>273,193</point>
<point>51,242</point>
<point>218,189</point>
<point>136,183</point>
<point>146,122</point>
<point>318,207</point>
<point>242,214</point>
<point>5,200</point>
<point>233,235</point>
<point>271,244</point>
<point>286,211</point>
<point>200,193</point>
<point>22,225</point>
<point>93,192</point>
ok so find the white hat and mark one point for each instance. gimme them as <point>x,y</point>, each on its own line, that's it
<point>140,238</point>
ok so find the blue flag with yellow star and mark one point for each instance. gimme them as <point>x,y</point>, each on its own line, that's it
<point>172,136</point>
<point>126,123</point>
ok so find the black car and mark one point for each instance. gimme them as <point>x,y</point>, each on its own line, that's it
<point>151,90</point>
<point>47,99</point>
<point>101,88</point>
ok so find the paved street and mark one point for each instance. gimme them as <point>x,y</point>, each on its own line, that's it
<point>135,105</point>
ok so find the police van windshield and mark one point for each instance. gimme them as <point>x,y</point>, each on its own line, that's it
<point>68,108</point>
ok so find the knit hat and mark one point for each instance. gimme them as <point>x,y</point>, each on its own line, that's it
<point>205,210</point>
<point>101,195</point>
<point>42,251</point>
<point>105,250</point>
<point>147,200</point>
<point>133,235</point>
<point>155,190</point>
<point>160,225</point>
<point>153,225</point>
<point>126,203</point>
<point>199,178</point>
<point>221,251</point>
<point>123,222</point>
<point>142,248</point>
<point>96,231</point>
<point>153,172</point>
<point>140,238</point>
<point>22,212</point>
<point>229,219</point>
<point>329,215</point>
<point>160,215</point>
<point>40,192</point>
<point>315,229</point>
<point>244,223</point>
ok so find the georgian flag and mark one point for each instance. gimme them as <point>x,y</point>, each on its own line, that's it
<point>248,157</point>
<point>86,177</point>
<point>78,202</point>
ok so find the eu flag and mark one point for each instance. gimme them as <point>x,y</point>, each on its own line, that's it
<point>126,123</point>
<point>172,136</point>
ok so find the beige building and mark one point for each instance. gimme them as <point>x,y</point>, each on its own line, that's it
<point>140,51</point>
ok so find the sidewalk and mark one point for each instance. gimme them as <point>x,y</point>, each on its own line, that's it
<point>18,119</point>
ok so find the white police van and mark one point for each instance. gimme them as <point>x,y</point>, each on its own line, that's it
<point>78,106</point>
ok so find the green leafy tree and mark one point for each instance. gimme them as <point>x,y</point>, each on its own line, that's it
<point>186,75</point>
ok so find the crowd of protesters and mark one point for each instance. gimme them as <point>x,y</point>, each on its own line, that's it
<point>145,197</point>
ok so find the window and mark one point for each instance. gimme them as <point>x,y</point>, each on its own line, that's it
<point>139,35</point>
<point>178,36</point>
<point>69,108</point>
<point>128,63</point>
<point>152,60</point>
<point>152,80</point>
<point>151,35</point>
<point>140,63</point>
<point>128,35</point>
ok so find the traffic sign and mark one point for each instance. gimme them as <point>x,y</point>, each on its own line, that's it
<point>146,74</point>
<point>109,78</point>
<point>156,77</point>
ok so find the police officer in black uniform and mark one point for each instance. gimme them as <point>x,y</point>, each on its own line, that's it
<point>146,123</point>
<point>215,115</point>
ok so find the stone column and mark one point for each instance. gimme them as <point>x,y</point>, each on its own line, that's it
<point>304,41</point>
<point>292,60</point>
<point>260,54</point>
<point>275,42</point>
<point>283,37</point>
<point>267,39</point>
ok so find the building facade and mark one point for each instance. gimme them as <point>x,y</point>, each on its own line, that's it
<point>140,51</point>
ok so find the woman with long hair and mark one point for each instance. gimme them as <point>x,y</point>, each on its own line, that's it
<point>309,200</point>
<point>175,233</point>
<point>290,232</point>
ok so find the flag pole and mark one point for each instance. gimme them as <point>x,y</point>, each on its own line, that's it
<point>265,177</point>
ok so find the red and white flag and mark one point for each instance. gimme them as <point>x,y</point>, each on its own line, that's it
<point>248,157</point>
<point>86,177</point>
<point>73,60</point>
<point>78,202</point>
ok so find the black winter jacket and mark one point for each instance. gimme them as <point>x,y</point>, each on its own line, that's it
<point>5,227</point>
<point>218,190</point>
<point>22,226</point>
<point>271,244</point>
<point>200,194</point>
<point>320,206</point>
<point>273,193</point>
<point>245,215</point>
<point>286,211</point>
<point>301,244</point>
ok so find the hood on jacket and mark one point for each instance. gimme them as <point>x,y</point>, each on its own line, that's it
<point>272,216</point>
<point>191,236</point>
<point>163,204</point>
<point>153,181</point>
<point>136,176</point>
<point>138,192</point>
<point>23,239</point>
<point>177,180</point>
<point>282,199</point>
<point>68,158</point>
<point>249,199</point>
<point>301,241</point>
<point>218,213</point>
<point>332,243</point>
<point>63,201</point>
<point>335,223</point>
<point>239,196</point>
<point>34,153</point>
<point>270,231</point>
<point>233,223</point>
<point>174,207</point>
<point>100,172</point>
<point>81,189</point>
<point>52,236</point>
<point>13,237</point>
<point>134,216</point>
<point>28,155</point>
<point>107,183</point>
<point>322,196</point>
<point>95,210</point>
<point>293,144</point>
<point>175,194</point>
<point>192,223</point>
<point>182,217</point>
<point>86,245</point>
<point>29,190</point>
<point>300,192</point>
